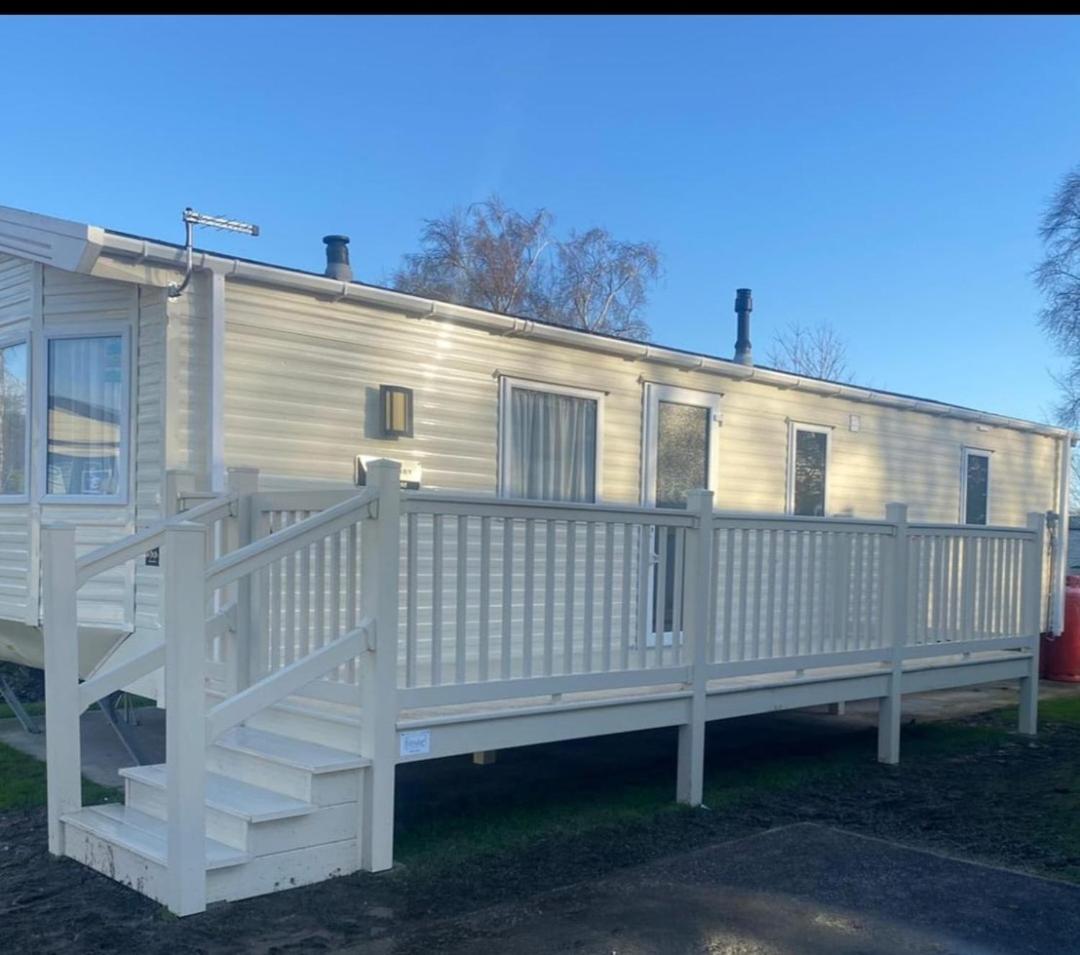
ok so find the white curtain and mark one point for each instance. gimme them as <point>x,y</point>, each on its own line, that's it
<point>86,384</point>
<point>553,446</point>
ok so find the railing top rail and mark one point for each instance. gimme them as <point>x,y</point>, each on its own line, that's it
<point>315,499</point>
<point>970,530</point>
<point>135,545</point>
<point>802,522</point>
<point>266,550</point>
<point>486,505</point>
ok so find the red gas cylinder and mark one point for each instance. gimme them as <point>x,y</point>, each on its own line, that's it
<point>1060,656</point>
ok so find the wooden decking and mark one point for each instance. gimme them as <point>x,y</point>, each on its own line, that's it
<point>349,636</point>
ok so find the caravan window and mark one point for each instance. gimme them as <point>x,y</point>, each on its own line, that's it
<point>13,434</point>
<point>87,409</point>
<point>550,442</point>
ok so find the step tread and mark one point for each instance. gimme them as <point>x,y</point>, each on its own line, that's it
<point>299,754</point>
<point>144,835</point>
<point>231,796</point>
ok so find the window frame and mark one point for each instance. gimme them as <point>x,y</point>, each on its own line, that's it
<point>966,452</point>
<point>794,427</point>
<point>69,332</point>
<point>6,341</point>
<point>507,384</point>
<point>653,394</point>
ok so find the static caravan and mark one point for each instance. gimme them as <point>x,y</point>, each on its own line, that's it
<point>333,528</point>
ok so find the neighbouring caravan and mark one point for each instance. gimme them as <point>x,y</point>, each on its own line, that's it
<point>249,407</point>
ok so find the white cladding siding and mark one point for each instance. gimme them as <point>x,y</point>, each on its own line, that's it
<point>73,300</point>
<point>150,393</point>
<point>188,378</point>
<point>16,292</point>
<point>302,378</point>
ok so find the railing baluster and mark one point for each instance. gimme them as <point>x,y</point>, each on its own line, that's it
<point>645,571</point>
<point>785,586</point>
<point>461,580</point>
<point>609,580</point>
<point>549,599</point>
<point>436,598</point>
<point>320,593</point>
<point>304,635</point>
<point>590,575</point>
<point>507,597</point>
<point>660,595</point>
<point>624,603</point>
<point>528,609</point>
<point>411,580</point>
<point>729,588</point>
<point>569,594</point>
<point>290,604</point>
<point>677,642</point>
<point>485,598</point>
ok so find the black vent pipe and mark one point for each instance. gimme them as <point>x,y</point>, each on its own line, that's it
<point>744,305</point>
<point>337,257</point>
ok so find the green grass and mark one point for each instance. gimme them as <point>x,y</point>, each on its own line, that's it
<point>37,708</point>
<point>34,709</point>
<point>22,783</point>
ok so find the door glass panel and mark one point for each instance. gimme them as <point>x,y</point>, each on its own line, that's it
<point>682,452</point>
<point>682,455</point>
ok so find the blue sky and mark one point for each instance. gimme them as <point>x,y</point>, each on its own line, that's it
<point>885,174</point>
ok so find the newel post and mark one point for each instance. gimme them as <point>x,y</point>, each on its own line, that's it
<point>184,611</point>
<point>63,756</point>
<point>380,541</point>
<point>896,621</point>
<point>697,590</point>
<point>244,483</point>
<point>1032,589</point>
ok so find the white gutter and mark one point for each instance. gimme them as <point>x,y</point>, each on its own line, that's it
<point>416,307</point>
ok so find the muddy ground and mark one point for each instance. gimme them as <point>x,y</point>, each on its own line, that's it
<point>973,790</point>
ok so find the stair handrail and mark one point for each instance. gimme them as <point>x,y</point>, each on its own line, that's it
<point>119,552</point>
<point>258,554</point>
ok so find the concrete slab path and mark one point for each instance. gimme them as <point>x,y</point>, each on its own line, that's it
<point>799,890</point>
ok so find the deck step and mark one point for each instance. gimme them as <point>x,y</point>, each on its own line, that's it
<point>230,796</point>
<point>144,835</point>
<point>297,754</point>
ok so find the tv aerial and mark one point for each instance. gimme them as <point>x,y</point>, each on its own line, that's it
<point>191,220</point>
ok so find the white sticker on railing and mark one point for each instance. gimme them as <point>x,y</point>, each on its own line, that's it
<point>415,742</point>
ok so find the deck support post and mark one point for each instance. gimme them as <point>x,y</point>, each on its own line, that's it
<point>1034,556</point>
<point>690,781</point>
<point>896,578</point>
<point>63,753</point>
<point>380,541</point>
<point>244,482</point>
<point>184,614</point>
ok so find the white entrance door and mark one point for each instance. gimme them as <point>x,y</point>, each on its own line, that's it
<point>679,455</point>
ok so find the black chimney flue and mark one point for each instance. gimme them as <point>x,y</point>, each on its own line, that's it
<point>744,305</point>
<point>337,257</point>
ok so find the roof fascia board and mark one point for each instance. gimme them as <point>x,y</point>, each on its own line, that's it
<point>416,307</point>
<point>72,246</point>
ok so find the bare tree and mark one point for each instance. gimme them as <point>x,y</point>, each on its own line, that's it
<point>817,351</point>
<point>1058,277</point>
<point>601,284</point>
<point>487,256</point>
<point>491,256</point>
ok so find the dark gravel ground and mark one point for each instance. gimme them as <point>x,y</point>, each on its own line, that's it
<point>972,790</point>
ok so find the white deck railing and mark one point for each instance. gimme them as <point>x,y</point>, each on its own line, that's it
<point>386,601</point>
